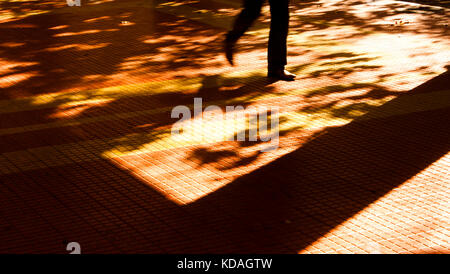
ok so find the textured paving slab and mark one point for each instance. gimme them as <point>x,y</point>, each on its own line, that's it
<point>87,155</point>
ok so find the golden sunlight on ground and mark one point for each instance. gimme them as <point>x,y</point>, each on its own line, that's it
<point>86,112</point>
<point>389,232</point>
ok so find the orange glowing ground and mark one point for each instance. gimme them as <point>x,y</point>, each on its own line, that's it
<point>87,154</point>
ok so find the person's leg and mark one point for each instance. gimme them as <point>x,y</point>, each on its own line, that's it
<point>277,49</point>
<point>250,12</point>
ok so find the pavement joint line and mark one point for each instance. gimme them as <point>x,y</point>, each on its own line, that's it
<point>50,100</point>
<point>127,115</point>
<point>109,148</point>
<point>58,99</point>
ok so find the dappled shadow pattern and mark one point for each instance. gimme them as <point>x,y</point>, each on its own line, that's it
<point>282,207</point>
<point>93,49</point>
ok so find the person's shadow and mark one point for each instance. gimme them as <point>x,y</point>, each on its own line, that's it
<point>279,208</point>
<point>291,202</point>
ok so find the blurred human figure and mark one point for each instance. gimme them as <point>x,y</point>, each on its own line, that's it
<point>279,25</point>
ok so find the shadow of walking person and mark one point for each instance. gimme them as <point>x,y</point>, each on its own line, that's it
<point>288,204</point>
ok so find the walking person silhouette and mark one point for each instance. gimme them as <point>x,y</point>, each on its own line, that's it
<point>279,25</point>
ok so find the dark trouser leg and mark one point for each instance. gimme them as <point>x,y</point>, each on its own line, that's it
<point>248,15</point>
<point>277,52</point>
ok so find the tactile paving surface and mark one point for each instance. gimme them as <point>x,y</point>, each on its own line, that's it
<point>362,163</point>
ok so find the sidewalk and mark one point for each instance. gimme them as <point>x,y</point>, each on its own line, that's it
<point>87,154</point>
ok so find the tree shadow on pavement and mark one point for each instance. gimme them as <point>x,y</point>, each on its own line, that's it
<point>291,202</point>
<point>281,207</point>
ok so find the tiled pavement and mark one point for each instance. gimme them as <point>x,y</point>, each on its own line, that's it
<point>87,156</point>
